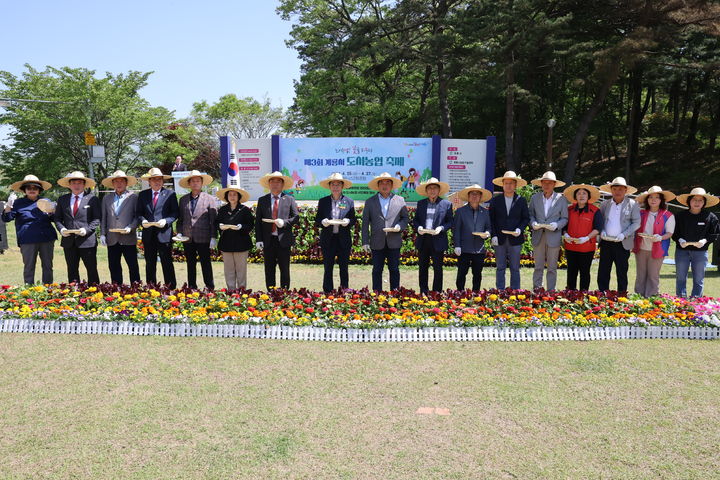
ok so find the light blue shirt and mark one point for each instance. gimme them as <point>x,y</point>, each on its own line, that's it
<point>385,204</point>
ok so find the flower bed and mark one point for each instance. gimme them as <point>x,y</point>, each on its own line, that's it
<point>355,309</point>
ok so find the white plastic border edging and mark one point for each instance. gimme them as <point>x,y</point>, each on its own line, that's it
<point>426,334</point>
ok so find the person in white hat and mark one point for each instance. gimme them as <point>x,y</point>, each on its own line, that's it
<point>235,222</point>
<point>335,240</point>
<point>548,216</point>
<point>385,216</point>
<point>118,224</point>
<point>157,209</point>
<point>275,215</point>
<point>580,238</point>
<point>695,230</point>
<point>652,239</point>
<point>433,219</point>
<point>196,222</point>
<point>509,217</point>
<point>622,219</point>
<point>470,229</point>
<point>33,227</point>
<point>77,216</point>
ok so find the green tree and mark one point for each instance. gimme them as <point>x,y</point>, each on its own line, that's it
<point>199,151</point>
<point>238,117</point>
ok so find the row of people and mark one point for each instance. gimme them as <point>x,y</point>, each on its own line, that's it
<point>569,219</point>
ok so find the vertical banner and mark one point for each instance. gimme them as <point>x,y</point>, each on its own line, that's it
<point>462,162</point>
<point>244,161</point>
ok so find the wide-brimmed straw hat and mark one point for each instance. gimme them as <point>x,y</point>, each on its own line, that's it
<point>618,182</point>
<point>107,182</point>
<point>667,194</point>
<point>185,181</point>
<point>710,200</point>
<point>30,180</point>
<point>485,194</point>
<point>244,195</point>
<point>422,188</point>
<point>76,175</point>
<point>510,175</point>
<point>265,180</point>
<point>335,177</point>
<point>155,172</point>
<point>548,176</point>
<point>569,192</point>
<point>373,184</point>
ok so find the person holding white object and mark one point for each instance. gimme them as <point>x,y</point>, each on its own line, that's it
<point>584,224</point>
<point>235,222</point>
<point>548,216</point>
<point>118,226</point>
<point>471,220</point>
<point>433,219</point>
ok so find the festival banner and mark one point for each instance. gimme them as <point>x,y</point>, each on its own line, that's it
<point>462,162</point>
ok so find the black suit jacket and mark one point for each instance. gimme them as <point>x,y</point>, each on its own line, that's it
<point>167,208</point>
<point>88,217</point>
<point>287,210</point>
<point>519,217</point>
<point>324,210</point>
<point>443,217</point>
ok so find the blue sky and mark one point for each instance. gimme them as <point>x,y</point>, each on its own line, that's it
<point>197,49</point>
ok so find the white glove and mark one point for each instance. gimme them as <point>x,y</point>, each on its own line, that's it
<point>236,227</point>
<point>423,232</point>
<point>366,248</point>
<point>567,237</point>
<point>438,230</point>
<point>516,233</point>
<point>259,245</point>
<point>458,251</point>
<point>494,242</point>
<point>279,222</point>
<point>145,224</point>
<point>682,242</point>
<point>11,199</point>
<point>487,234</point>
<point>83,232</point>
<point>603,234</point>
<point>702,242</point>
<point>620,237</point>
<point>127,229</point>
<point>553,226</point>
<point>103,241</point>
<point>397,228</point>
<point>657,238</point>
<point>63,232</point>
<point>222,226</point>
<point>161,223</point>
<point>346,222</point>
<point>582,240</point>
<point>213,243</point>
<point>325,222</point>
<point>535,226</point>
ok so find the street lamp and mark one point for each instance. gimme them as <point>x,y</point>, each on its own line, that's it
<point>550,123</point>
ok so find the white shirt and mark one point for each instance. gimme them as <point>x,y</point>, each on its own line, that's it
<point>613,227</point>
<point>547,203</point>
<point>430,215</point>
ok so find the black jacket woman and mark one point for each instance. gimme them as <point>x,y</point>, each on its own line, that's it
<point>234,221</point>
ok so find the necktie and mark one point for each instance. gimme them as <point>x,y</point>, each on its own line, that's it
<point>76,205</point>
<point>275,213</point>
<point>155,197</point>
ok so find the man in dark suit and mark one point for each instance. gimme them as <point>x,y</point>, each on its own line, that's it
<point>471,228</point>
<point>335,239</point>
<point>179,166</point>
<point>77,215</point>
<point>157,209</point>
<point>509,217</point>
<point>433,219</point>
<point>275,216</point>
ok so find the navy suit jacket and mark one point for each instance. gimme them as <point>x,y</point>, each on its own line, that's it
<point>519,217</point>
<point>443,218</point>
<point>466,224</point>
<point>324,210</point>
<point>167,208</point>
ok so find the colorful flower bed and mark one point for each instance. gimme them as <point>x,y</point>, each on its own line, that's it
<point>355,308</point>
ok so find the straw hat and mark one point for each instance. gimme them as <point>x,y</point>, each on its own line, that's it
<point>669,196</point>
<point>373,184</point>
<point>618,182</point>
<point>569,192</point>
<point>265,180</point>
<point>185,181</point>
<point>118,174</point>
<point>155,172</point>
<point>548,176</point>
<point>422,188</point>
<point>244,195</point>
<point>31,180</point>
<point>710,200</point>
<point>485,194</point>
<point>510,175</point>
<point>76,175</point>
<point>335,177</point>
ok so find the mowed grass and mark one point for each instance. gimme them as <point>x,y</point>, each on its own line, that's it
<point>90,406</point>
<point>311,276</point>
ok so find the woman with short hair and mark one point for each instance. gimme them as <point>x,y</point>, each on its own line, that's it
<point>235,221</point>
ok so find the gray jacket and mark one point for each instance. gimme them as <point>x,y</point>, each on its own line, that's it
<point>558,213</point>
<point>629,219</point>
<point>374,222</point>
<point>126,217</point>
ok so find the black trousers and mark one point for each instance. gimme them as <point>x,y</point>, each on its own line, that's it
<point>115,254</point>
<point>73,255</point>
<point>578,263</point>
<point>613,253</point>
<point>193,251</point>
<point>335,249</point>
<point>467,260</point>
<point>425,254</point>
<point>153,248</point>
<point>378,263</point>
<point>276,256</point>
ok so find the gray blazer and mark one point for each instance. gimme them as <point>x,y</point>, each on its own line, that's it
<point>374,222</point>
<point>558,213</point>
<point>126,217</point>
<point>198,225</point>
<point>629,219</point>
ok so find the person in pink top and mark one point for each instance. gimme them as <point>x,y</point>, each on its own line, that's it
<point>652,239</point>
